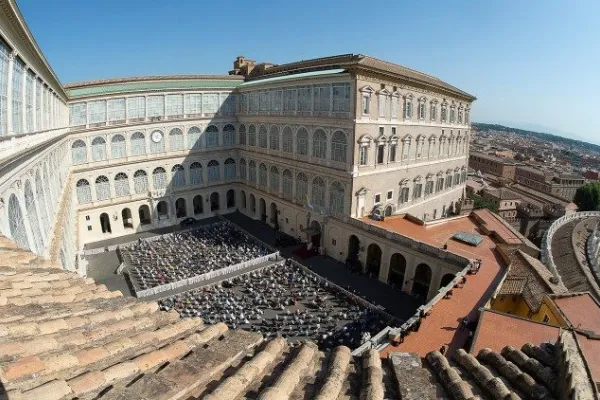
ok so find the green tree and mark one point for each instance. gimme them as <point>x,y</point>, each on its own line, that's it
<point>480,202</point>
<point>587,197</point>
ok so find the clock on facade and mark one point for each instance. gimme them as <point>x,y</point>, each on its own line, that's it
<point>157,136</point>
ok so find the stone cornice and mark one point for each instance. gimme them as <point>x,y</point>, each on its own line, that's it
<point>151,78</point>
<point>12,14</point>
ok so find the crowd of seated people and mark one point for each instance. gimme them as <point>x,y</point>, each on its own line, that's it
<point>283,300</point>
<point>183,255</point>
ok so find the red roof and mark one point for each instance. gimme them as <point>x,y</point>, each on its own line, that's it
<point>581,310</point>
<point>496,330</point>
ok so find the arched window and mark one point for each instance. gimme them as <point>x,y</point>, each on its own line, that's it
<point>176,139</point>
<point>16,223</point>
<point>274,179</point>
<point>157,147</point>
<point>41,200</point>
<point>196,173</point>
<point>230,198</point>
<point>117,146</point>
<point>242,134</point>
<point>214,201</point>
<point>339,145</point>
<point>162,209</point>
<point>212,136</point>
<point>84,191</point>
<point>262,137</point>
<point>288,183</point>
<point>274,138</point>
<point>230,169</point>
<point>159,178</point>
<point>262,175</point>
<point>102,188</point>
<point>228,135</point>
<point>318,192</point>
<point>198,205</point>
<point>252,135</point>
<point>213,171</point>
<point>319,144</point>
<point>194,134</point>
<point>138,144</point>
<point>180,208</point>
<point>140,181</point>
<point>144,214</point>
<point>78,152</point>
<point>121,185</point>
<point>243,171</point>
<point>32,215</point>
<point>252,172</point>
<point>302,142</point>
<point>98,149</point>
<point>288,140</point>
<point>178,175</point>
<point>336,197</point>
<point>301,187</point>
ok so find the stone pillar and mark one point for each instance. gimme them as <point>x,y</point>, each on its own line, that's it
<point>409,274</point>
<point>24,100</point>
<point>34,122</point>
<point>385,264</point>
<point>434,284</point>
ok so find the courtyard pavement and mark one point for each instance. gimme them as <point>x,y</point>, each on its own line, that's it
<point>400,304</point>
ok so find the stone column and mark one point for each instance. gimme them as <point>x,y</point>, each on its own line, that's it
<point>34,121</point>
<point>24,100</point>
<point>409,274</point>
<point>385,264</point>
<point>434,283</point>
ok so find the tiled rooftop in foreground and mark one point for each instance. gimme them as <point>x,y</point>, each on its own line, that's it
<point>62,337</point>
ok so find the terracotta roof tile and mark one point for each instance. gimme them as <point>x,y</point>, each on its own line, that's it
<point>496,330</point>
<point>581,310</point>
<point>106,347</point>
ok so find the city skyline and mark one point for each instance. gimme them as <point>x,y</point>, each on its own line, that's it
<point>519,65</point>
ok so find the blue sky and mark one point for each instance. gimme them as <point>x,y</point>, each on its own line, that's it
<point>531,63</point>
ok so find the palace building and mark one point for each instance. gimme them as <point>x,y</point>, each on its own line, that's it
<point>301,146</point>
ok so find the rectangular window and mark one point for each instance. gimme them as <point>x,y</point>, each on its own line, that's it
<point>77,113</point>
<point>546,319</point>
<point>228,103</point>
<point>29,85</point>
<point>156,106</point>
<point>366,104</point>
<point>382,105</point>
<point>136,108</point>
<point>433,112</point>
<point>380,154</point>
<point>193,104</point>
<point>341,98</point>
<point>421,110</point>
<point>17,93</point>
<point>289,100</point>
<point>87,217</point>
<point>304,99</point>
<point>390,194</point>
<point>89,227</point>
<point>378,198</point>
<point>38,104</point>
<point>174,104</point>
<point>395,103</point>
<point>210,103</point>
<point>363,154</point>
<point>244,103</point>
<point>393,152</point>
<point>276,98</point>
<point>322,98</point>
<point>97,111</point>
<point>263,101</point>
<point>393,131</point>
<point>116,109</point>
<point>381,130</point>
<point>253,102</point>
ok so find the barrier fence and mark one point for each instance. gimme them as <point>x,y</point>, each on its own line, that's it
<point>382,338</point>
<point>204,277</point>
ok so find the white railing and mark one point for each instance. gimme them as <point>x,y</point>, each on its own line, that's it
<point>10,145</point>
<point>592,248</point>
<point>546,256</point>
<point>204,277</point>
<point>381,340</point>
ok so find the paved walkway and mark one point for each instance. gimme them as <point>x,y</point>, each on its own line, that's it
<point>102,267</point>
<point>146,234</point>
